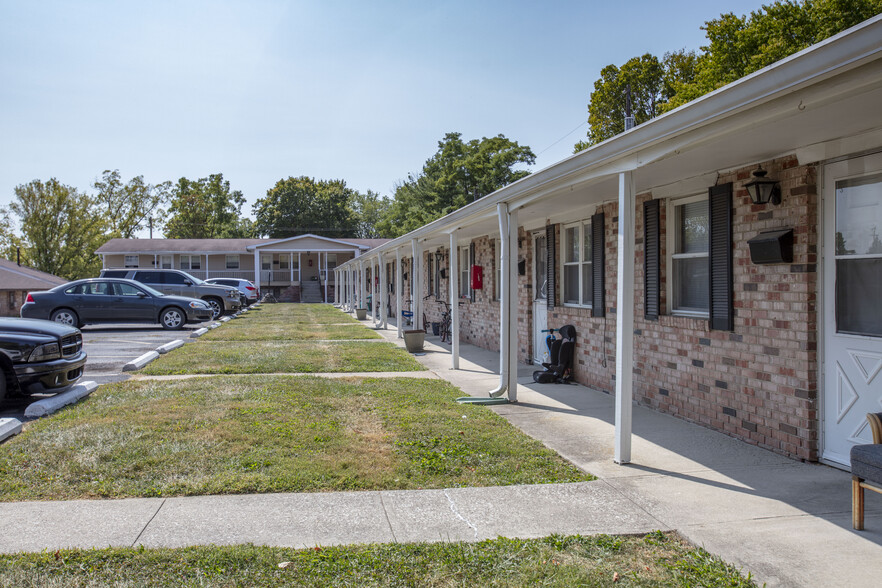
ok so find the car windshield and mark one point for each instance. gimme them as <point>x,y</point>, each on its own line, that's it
<point>195,280</point>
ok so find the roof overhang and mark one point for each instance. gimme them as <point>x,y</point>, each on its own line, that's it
<point>819,103</point>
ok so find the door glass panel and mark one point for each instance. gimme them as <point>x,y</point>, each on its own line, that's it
<point>859,255</point>
<point>541,273</point>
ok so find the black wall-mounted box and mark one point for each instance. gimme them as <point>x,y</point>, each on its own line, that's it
<point>775,246</point>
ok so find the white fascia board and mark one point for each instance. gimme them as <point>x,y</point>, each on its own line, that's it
<point>304,236</point>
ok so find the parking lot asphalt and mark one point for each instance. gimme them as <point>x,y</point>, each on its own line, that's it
<point>109,348</point>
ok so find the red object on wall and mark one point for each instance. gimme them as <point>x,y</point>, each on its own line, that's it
<point>477,277</point>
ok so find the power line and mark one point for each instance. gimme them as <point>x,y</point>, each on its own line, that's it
<point>582,124</point>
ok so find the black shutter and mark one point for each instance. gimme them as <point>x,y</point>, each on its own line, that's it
<point>651,253</point>
<point>550,262</point>
<point>598,239</point>
<point>720,257</point>
<point>471,263</point>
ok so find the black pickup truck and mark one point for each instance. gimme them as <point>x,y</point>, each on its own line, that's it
<point>39,356</point>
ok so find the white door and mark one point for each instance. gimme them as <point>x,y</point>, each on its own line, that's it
<point>852,315</point>
<point>540,299</point>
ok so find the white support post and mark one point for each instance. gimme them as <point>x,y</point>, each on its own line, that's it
<point>291,267</point>
<point>454,302</point>
<point>625,319</point>
<point>362,289</point>
<point>375,273</point>
<point>399,317</point>
<point>416,285</point>
<point>323,269</point>
<point>512,312</point>
<point>256,269</point>
<point>384,298</point>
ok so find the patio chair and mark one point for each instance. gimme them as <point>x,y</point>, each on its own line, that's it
<point>866,470</point>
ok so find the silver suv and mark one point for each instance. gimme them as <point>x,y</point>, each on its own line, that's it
<point>170,281</point>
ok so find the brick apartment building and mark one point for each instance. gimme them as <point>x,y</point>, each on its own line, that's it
<point>759,319</point>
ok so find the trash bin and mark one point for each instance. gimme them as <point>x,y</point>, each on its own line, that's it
<point>436,329</point>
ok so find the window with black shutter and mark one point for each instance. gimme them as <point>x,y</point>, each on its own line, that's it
<point>651,259</point>
<point>474,262</point>
<point>550,265</point>
<point>598,301</point>
<point>722,316</point>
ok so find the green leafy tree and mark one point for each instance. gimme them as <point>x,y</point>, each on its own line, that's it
<point>295,206</point>
<point>60,228</point>
<point>10,242</point>
<point>368,210</point>
<point>736,46</point>
<point>127,207</point>
<point>459,173</point>
<point>206,209</point>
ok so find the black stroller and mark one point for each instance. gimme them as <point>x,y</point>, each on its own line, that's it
<point>559,370</point>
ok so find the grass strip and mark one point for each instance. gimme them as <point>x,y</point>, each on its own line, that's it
<point>261,357</point>
<point>265,434</point>
<point>316,314</point>
<point>657,559</point>
<point>244,330</point>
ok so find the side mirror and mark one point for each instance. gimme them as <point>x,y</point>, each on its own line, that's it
<point>142,294</point>
<point>188,282</point>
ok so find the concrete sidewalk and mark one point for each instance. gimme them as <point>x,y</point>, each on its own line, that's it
<point>787,523</point>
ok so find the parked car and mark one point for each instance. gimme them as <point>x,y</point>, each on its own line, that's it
<point>222,299</point>
<point>248,292</point>
<point>105,300</point>
<point>38,356</point>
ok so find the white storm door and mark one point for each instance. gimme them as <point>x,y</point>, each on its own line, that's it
<point>852,295</point>
<point>540,299</point>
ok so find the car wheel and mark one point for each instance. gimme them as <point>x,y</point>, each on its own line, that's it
<point>172,319</point>
<point>217,307</point>
<point>65,316</point>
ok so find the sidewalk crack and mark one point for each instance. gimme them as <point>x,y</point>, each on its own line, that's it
<point>388,522</point>
<point>459,516</point>
<point>147,524</point>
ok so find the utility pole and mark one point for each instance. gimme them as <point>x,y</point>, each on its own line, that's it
<point>629,120</point>
<point>150,224</point>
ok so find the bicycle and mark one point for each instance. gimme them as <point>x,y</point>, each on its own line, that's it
<point>445,323</point>
<point>407,312</point>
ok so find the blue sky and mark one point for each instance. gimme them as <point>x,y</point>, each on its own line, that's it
<point>265,89</point>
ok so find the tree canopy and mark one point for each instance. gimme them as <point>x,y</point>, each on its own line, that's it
<point>206,209</point>
<point>736,46</point>
<point>459,173</point>
<point>60,229</point>
<point>127,207</point>
<point>295,206</point>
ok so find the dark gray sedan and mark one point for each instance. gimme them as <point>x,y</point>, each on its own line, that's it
<point>112,300</point>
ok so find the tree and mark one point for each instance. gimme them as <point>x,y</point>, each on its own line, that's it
<point>458,173</point>
<point>368,210</point>
<point>127,207</point>
<point>206,209</point>
<point>301,205</point>
<point>737,46</point>
<point>10,243</point>
<point>61,228</point>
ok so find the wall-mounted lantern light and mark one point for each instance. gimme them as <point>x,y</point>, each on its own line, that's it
<point>763,189</point>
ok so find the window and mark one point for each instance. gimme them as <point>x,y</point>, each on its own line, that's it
<point>266,262</point>
<point>431,282</point>
<point>232,262</point>
<point>690,277</point>
<point>283,260</point>
<point>191,262</point>
<point>331,261</point>
<point>149,277</point>
<point>165,261</point>
<point>577,260</point>
<point>464,267</point>
<point>127,290</point>
<point>174,278</point>
<point>131,261</point>
<point>11,299</point>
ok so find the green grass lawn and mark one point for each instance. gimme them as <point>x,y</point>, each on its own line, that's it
<point>243,329</point>
<point>265,357</point>
<point>315,314</point>
<point>657,559</point>
<point>270,434</point>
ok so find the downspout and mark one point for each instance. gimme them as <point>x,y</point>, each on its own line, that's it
<point>504,299</point>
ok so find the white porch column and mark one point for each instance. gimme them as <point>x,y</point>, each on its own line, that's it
<point>454,302</point>
<point>299,269</point>
<point>291,266</point>
<point>512,312</point>
<point>256,268</point>
<point>416,286</point>
<point>362,291</point>
<point>384,298</point>
<point>324,270</point>
<point>399,318</point>
<point>625,319</point>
